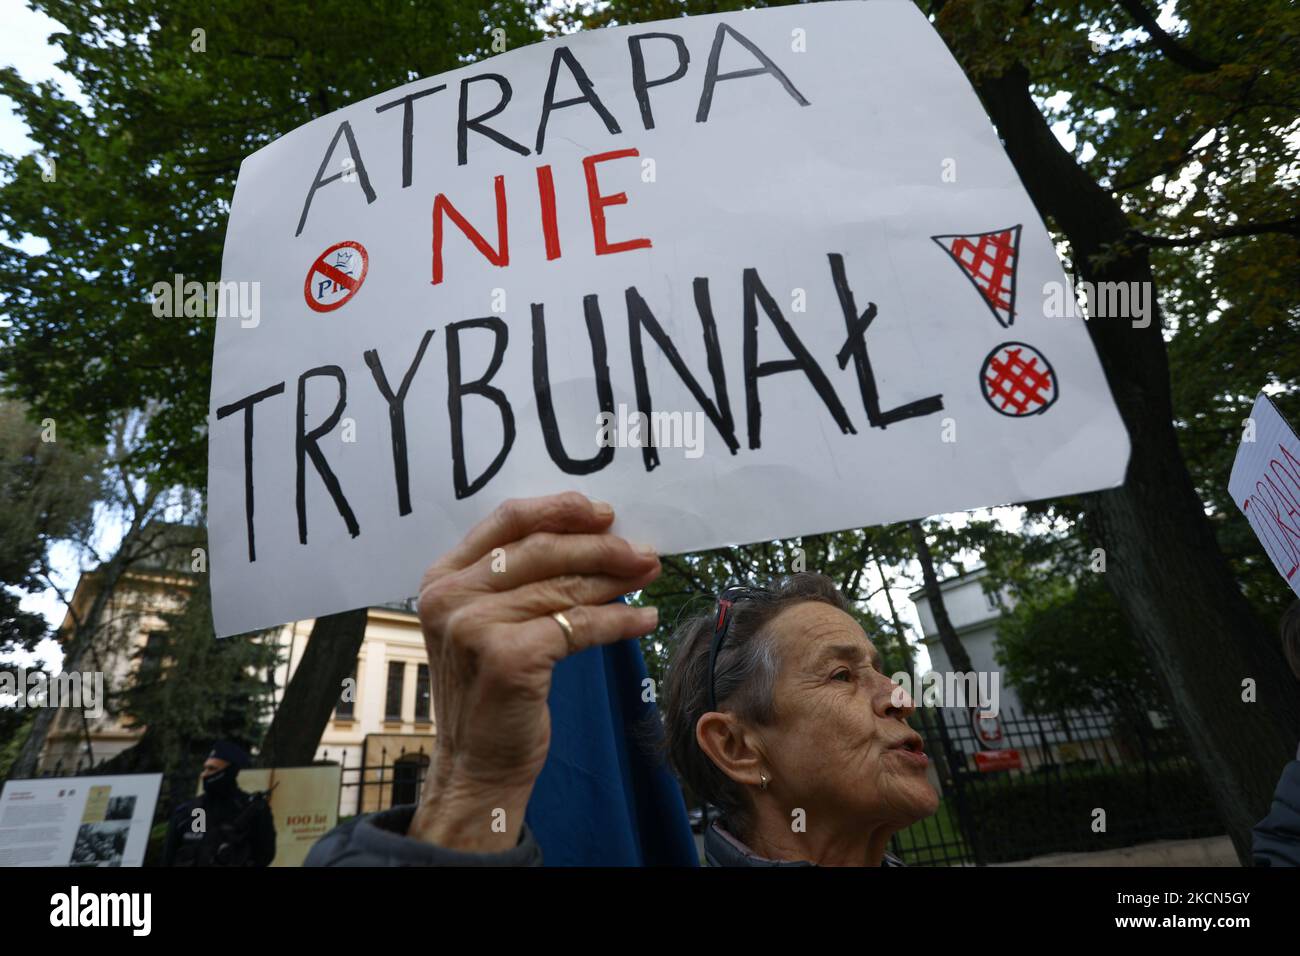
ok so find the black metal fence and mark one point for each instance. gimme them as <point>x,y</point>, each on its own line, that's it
<point>1025,785</point>
<point>396,779</point>
<point>365,788</point>
<point>1020,786</point>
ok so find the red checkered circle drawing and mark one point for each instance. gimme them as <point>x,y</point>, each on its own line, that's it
<point>1017,380</point>
<point>336,276</point>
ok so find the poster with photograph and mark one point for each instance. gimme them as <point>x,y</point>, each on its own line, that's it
<point>77,821</point>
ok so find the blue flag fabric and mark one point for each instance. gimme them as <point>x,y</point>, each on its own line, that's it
<point>604,796</point>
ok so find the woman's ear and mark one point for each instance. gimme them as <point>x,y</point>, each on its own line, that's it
<point>733,747</point>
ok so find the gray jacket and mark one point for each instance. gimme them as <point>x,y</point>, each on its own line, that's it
<point>379,839</point>
<point>1277,837</point>
<point>723,849</point>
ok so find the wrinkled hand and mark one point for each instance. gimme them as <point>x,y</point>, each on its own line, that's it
<point>485,608</point>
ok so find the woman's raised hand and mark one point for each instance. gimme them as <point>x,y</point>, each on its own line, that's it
<point>486,608</point>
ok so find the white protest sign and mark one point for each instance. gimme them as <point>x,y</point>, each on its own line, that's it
<point>1265,484</point>
<point>789,236</point>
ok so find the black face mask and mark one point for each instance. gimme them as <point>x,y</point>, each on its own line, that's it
<point>221,783</point>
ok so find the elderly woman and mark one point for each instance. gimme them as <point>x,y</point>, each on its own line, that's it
<point>777,709</point>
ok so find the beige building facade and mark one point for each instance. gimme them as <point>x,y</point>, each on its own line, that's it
<point>381,731</point>
<point>383,737</point>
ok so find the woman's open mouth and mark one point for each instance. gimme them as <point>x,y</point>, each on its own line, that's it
<point>912,750</point>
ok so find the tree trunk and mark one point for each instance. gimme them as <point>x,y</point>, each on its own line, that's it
<point>1162,559</point>
<point>958,659</point>
<point>314,689</point>
<point>900,633</point>
<point>83,633</point>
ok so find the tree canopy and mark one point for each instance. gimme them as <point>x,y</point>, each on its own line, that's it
<point>176,95</point>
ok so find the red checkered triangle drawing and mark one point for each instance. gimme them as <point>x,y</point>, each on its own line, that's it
<point>988,260</point>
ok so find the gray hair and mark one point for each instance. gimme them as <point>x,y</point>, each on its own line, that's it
<point>745,675</point>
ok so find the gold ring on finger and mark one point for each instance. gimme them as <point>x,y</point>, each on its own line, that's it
<point>567,628</point>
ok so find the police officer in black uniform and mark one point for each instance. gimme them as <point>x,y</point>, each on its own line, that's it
<point>234,829</point>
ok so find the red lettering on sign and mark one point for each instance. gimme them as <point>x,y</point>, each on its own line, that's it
<point>546,193</point>
<point>1275,529</point>
<point>598,203</point>
<point>498,257</point>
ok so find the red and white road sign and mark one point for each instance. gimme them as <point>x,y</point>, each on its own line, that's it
<point>988,761</point>
<point>336,276</point>
<point>988,729</point>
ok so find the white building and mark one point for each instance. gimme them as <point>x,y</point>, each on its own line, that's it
<point>1039,738</point>
<point>975,617</point>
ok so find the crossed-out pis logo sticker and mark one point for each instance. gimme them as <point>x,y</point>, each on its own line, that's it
<point>335,276</point>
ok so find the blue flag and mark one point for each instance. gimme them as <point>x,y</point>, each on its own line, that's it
<point>605,796</point>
